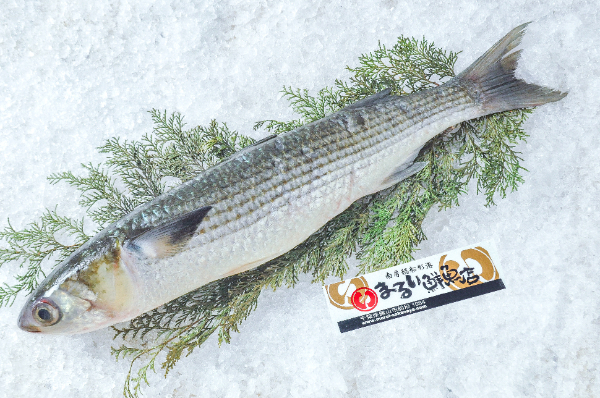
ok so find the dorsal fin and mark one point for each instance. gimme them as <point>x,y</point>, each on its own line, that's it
<point>267,138</point>
<point>167,239</point>
<point>249,148</point>
<point>382,95</point>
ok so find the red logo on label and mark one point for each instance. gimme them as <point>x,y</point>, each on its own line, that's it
<point>364,299</point>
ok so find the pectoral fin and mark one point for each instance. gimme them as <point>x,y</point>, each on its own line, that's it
<point>168,239</point>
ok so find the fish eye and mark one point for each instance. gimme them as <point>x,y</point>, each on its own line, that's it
<point>46,312</point>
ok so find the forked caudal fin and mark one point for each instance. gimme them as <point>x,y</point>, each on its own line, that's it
<point>494,77</point>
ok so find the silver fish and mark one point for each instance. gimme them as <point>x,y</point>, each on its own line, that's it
<point>267,198</point>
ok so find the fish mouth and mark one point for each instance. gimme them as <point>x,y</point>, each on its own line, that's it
<point>25,325</point>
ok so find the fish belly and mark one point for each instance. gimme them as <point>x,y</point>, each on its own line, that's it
<point>285,224</point>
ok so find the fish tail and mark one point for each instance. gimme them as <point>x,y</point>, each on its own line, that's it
<point>494,77</point>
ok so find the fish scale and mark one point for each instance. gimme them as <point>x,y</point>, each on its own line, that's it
<point>266,199</point>
<point>253,185</point>
<point>366,142</point>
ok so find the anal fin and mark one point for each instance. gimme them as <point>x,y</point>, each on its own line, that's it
<point>402,173</point>
<point>246,267</point>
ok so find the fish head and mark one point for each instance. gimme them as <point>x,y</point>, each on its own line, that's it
<point>91,289</point>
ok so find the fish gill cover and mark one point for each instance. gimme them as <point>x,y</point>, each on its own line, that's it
<point>381,230</point>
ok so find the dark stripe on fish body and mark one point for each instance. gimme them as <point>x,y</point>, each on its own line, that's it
<point>253,180</point>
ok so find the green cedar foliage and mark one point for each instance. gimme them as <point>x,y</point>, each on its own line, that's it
<point>381,229</point>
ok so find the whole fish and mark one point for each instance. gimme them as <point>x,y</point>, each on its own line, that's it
<point>266,199</point>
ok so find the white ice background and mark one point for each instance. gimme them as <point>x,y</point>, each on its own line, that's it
<point>73,75</point>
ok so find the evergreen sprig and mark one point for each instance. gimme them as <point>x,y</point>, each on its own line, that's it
<point>382,229</point>
<point>143,167</point>
<point>34,246</point>
<point>408,66</point>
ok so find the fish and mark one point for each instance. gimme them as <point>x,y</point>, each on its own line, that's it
<point>268,198</point>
